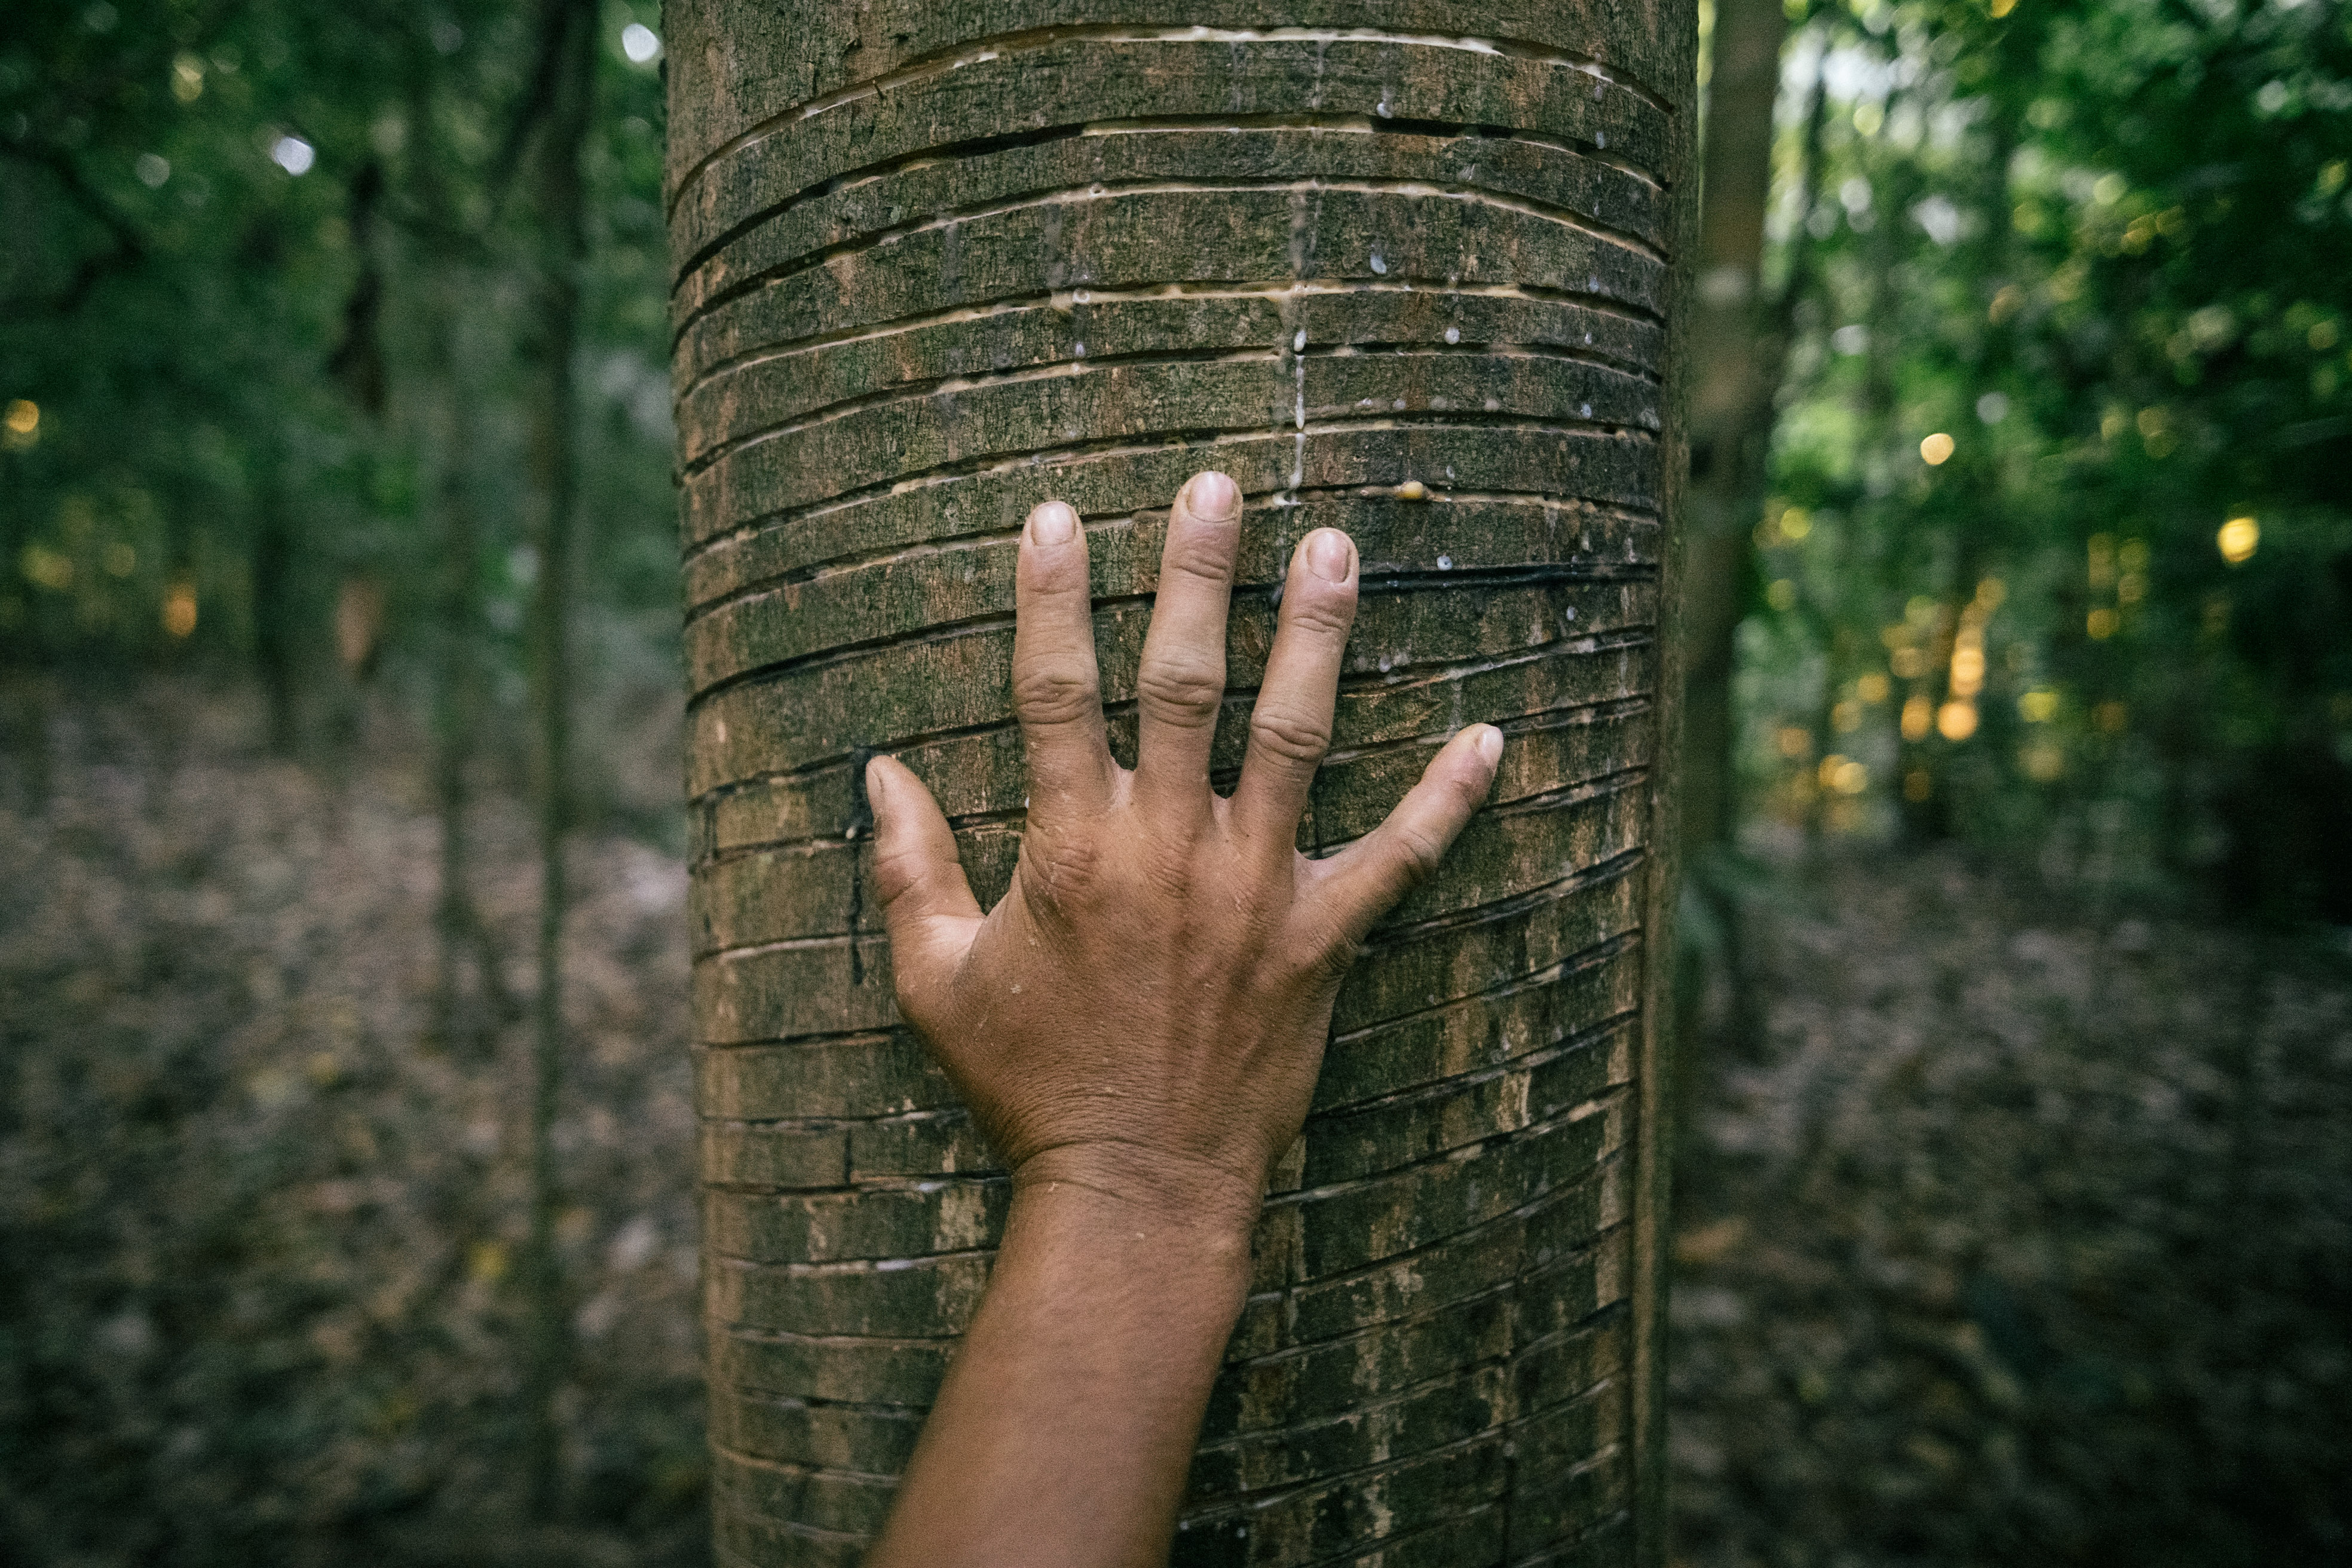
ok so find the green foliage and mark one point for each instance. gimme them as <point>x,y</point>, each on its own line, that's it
<point>237,236</point>
<point>2106,251</point>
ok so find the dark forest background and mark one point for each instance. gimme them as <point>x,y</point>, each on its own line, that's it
<point>344,1192</point>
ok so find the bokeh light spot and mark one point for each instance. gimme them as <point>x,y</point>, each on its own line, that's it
<point>641,44</point>
<point>2237,539</point>
<point>1919,713</point>
<point>1956,720</point>
<point>1937,449</point>
<point>180,609</point>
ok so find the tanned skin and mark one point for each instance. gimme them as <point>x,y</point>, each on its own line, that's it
<point>1136,1026</point>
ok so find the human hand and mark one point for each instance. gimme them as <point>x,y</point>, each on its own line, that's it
<point>1144,1012</point>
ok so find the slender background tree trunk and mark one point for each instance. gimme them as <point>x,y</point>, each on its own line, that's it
<point>569,45</point>
<point>1406,269</point>
<point>1735,372</point>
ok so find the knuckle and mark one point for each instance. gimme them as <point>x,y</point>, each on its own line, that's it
<point>1325,952</point>
<point>896,873</point>
<point>1417,852</point>
<point>1057,868</point>
<point>1187,688</point>
<point>1327,612</point>
<point>1288,735</point>
<point>1201,551</point>
<point>1052,694</point>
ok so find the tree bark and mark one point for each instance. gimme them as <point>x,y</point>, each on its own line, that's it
<point>1735,372</point>
<point>446,437</point>
<point>569,42</point>
<point>937,262</point>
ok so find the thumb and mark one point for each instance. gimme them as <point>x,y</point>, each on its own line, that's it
<point>927,905</point>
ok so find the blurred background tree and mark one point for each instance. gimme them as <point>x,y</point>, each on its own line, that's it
<point>2053,555</point>
<point>268,328</point>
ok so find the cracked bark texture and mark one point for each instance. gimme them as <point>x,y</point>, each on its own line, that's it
<point>935,262</point>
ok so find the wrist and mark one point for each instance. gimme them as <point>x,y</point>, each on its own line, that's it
<point>1202,1212</point>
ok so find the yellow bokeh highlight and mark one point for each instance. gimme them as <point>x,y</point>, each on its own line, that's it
<point>1936,449</point>
<point>2002,8</point>
<point>24,416</point>
<point>2237,538</point>
<point>1794,740</point>
<point>1956,720</point>
<point>2101,624</point>
<point>2038,707</point>
<point>1872,688</point>
<point>1843,774</point>
<point>1782,594</point>
<point>1967,669</point>
<point>1795,522</point>
<point>1918,716</point>
<point>180,609</point>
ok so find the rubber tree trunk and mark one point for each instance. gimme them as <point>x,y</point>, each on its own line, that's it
<point>937,262</point>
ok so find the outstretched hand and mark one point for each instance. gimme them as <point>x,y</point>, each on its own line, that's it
<point>1136,1026</point>
<point>1144,1011</point>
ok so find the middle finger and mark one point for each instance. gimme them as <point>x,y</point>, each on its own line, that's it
<point>1180,685</point>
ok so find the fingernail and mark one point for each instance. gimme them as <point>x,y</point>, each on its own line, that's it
<point>1052,523</point>
<point>1330,554</point>
<point>1214,498</point>
<point>1490,744</point>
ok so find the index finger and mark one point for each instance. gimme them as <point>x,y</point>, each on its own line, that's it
<point>1057,691</point>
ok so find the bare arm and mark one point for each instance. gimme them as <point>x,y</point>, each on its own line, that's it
<point>1137,1026</point>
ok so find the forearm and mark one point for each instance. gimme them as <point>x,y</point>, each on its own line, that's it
<point>1136,1026</point>
<point>1062,1431</point>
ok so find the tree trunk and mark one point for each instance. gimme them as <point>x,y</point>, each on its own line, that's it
<point>1735,372</point>
<point>275,603</point>
<point>570,44</point>
<point>448,436</point>
<point>937,262</point>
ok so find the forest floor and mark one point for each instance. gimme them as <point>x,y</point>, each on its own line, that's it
<point>2011,1234</point>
